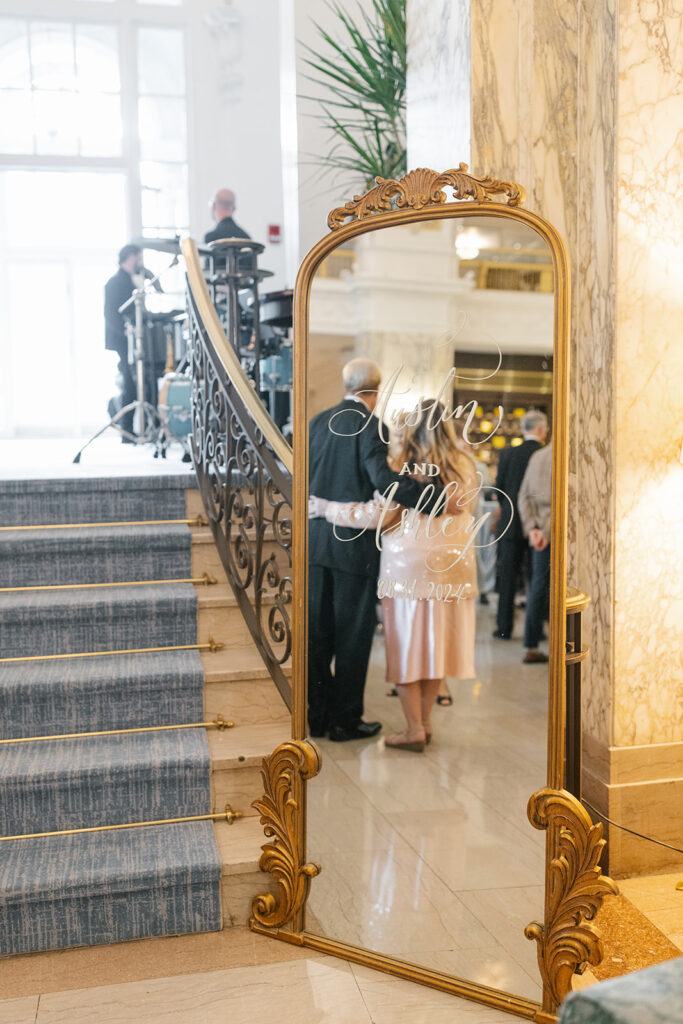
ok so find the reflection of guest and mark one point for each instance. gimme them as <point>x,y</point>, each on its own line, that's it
<point>427,637</point>
<point>534,503</point>
<point>348,462</point>
<point>512,546</point>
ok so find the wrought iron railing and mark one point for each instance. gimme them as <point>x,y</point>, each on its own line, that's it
<point>244,472</point>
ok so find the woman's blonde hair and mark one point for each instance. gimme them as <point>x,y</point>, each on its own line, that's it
<point>429,437</point>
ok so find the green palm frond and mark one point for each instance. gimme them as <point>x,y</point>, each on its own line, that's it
<point>363,76</point>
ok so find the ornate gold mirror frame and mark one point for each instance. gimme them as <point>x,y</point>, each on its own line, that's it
<point>574,886</point>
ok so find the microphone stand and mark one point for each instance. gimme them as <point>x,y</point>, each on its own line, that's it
<point>148,427</point>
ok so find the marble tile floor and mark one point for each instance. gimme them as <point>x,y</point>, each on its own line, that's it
<point>431,857</point>
<point>312,990</point>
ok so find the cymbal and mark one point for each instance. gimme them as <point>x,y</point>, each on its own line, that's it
<point>169,245</point>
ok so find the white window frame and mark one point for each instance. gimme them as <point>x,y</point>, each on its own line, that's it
<point>127,16</point>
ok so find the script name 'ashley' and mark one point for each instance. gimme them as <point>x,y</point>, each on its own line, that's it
<point>437,522</point>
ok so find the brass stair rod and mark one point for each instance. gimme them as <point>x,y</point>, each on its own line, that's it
<point>195,521</point>
<point>218,723</point>
<point>211,645</point>
<point>205,579</point>
<point>227,815</point>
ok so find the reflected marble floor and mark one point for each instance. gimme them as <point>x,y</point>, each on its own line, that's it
<point>430,857</point>
<point>315,990</point>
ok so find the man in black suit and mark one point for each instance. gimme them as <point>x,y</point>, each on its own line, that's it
<point>513,545</point>
<point>118,290</point>
<point>222,209</point>
<point>347,462</point>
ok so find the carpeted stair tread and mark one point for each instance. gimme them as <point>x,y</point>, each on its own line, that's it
<point>83,499</point>
<point>103,780</point>
<point>43,698</point>
<point>110,886</point>
<point>97,619</point>
<point>95,554</point>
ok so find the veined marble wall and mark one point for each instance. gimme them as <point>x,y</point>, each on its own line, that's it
<point>648,670</point>
<point>581,102</point>
<point>544,116</point>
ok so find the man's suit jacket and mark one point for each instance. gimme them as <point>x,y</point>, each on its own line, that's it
<point>225,228</point>
<point>117,290</point>
<point>511,469</point>
<point>350,468</point>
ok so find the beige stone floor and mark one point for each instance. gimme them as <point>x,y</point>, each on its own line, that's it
<point>430,857</point>
<point>311,990</point>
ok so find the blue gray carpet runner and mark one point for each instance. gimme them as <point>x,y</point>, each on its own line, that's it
<point>109,886</point>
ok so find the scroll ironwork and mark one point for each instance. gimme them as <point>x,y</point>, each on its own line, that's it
<point>247,495</point>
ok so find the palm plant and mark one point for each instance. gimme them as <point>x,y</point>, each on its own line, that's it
<point>364,75</point>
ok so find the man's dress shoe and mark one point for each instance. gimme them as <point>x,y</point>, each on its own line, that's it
<point>360,731</point>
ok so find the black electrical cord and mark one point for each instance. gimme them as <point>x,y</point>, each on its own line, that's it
<point>649,839</point>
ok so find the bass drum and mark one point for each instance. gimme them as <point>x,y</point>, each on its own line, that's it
<point>175,411</point>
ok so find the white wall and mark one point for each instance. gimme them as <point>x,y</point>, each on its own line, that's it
<point>319,191</point>
<point>234,118</point>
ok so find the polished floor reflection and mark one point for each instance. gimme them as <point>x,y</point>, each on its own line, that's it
<point>314,990</point>
<point>430,856</point>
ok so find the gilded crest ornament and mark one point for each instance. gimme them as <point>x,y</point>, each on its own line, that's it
<point>424,187</point>
<point>575,888</point>
<point>280,808</point>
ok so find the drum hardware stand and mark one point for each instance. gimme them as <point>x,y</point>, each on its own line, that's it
<point>149,428</point>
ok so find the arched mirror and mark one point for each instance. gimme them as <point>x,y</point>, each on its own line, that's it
<point>430,535</point>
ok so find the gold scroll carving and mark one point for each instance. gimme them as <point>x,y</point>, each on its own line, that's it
<point>423,187</point>
<point>280,808</point>
<point>575,888</point>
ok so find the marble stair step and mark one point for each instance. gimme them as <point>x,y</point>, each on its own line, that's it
<point>239,848</point>
<point>219,616</point>
<point>237,685</point>
<point>206,558</point>
<point>236,759</point>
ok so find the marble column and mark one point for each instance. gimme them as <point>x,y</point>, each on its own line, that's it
<point>545,119</point>
<point>647,737</point>
<point>581,103</point>
<point>438,85</point>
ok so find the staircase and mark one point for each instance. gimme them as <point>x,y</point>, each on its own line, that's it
<point>121,588</point>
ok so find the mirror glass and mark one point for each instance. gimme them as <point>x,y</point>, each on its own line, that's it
<point>417,556</point>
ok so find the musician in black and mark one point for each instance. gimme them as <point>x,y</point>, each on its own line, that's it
<point>118,290</point>
<point>222,209</point>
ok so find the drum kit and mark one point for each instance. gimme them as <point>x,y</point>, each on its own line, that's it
<point>257,326</point>
<point>158,344</point>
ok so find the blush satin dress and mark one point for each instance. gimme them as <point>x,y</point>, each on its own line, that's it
<point>428,579</point>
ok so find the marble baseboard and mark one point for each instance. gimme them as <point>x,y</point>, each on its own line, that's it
<point>641,788</point>
<point>654,809</point>
<point>644,763</point>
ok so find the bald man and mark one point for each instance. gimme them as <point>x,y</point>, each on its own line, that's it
<point>222,209</point>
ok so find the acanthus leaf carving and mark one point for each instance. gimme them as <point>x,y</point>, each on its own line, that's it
<point>424,187</point>
<point>575,888</point>
<point>280,808</point>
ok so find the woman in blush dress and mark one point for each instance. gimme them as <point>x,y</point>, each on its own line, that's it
<point>428,571</point>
